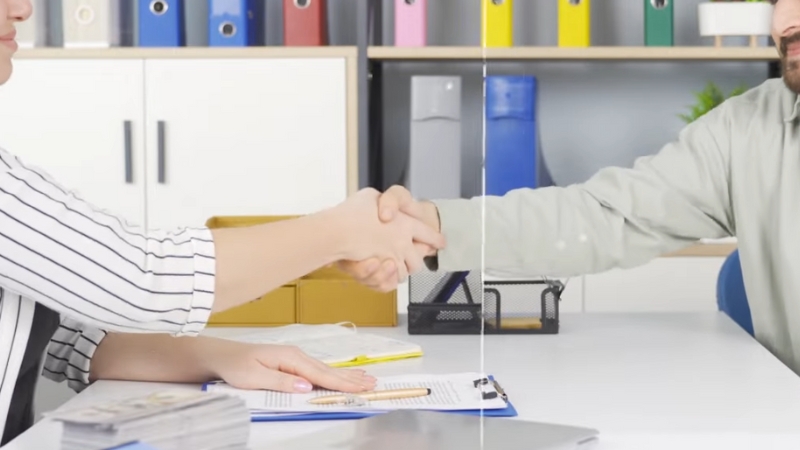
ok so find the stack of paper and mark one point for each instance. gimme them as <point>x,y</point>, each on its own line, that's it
<point>165,420</point>
<point>449,392</point>
<point>336,345</point>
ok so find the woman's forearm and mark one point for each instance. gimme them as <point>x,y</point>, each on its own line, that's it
<point>153,357</point>
<point>256,260</point>
<point>162,358</point>
<point>85,263</point>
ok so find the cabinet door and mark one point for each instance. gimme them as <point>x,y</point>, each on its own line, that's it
<point>82,122</point>
<point>244,137</point>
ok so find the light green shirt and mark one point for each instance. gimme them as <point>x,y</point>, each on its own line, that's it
<point>733,172</point>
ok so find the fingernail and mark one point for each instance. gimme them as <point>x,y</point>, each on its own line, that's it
<point>372,266</point>
<point>302,386</point>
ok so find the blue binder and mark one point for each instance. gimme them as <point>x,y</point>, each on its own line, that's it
<point>235,23</point>
<point>511,134</point>
<point>161,23</point>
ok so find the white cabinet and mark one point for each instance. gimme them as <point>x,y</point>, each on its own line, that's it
<point>171,142</point>
<point>667,284</point>
<point>244,137</point>
<point>69,118</point>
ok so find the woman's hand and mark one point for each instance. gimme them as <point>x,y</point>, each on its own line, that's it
<point>279,368</point>
<point>381,274</point>
<point>398,239</point>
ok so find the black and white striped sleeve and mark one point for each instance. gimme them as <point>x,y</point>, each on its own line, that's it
<point>91,266</point>
<point>70,352</point>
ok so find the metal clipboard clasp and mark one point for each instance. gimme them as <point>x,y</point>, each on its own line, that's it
<point>488,395</point>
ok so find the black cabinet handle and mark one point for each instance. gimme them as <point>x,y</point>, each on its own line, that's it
<point>161,151</point>
<point>128,152</point>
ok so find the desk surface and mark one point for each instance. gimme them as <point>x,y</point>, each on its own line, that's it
<point>656,381</point>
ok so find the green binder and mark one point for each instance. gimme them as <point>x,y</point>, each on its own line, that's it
<point>658,23</point>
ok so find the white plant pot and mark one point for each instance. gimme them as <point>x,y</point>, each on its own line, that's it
<point>719,19</point>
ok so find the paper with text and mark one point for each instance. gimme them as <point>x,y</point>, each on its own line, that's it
<point>450,392</point>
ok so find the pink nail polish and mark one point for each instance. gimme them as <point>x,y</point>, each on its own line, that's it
<point>302,386</point>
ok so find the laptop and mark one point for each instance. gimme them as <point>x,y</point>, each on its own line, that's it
<point>429,430</point>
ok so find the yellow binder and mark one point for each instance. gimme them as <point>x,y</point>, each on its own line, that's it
<point>497,29</point>
<point>574,23</point>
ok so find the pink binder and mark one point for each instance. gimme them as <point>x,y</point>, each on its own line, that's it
<point>410,23</point>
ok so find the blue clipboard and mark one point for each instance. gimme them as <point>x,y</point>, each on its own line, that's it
<point>508,411</point>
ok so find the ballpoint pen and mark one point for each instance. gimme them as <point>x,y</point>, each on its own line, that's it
<point>391,394</point>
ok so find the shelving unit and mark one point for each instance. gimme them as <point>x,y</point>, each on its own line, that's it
<point>377,55</point>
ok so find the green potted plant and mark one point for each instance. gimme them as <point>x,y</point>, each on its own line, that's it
<point>720,18</point>
<point>707,99</point>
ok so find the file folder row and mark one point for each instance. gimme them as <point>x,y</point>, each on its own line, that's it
<point>497,23</point>
<point>162,23</point>
<point>512,160</point>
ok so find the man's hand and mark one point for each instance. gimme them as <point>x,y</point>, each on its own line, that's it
<point>279,368</point>
<point>381,275</point>
<point>364,235</point>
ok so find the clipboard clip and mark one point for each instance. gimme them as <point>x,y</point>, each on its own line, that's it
<point>488,395</point>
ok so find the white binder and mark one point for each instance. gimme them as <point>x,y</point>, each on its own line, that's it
<point>92,23</point>
<point>434,169</point>
<point>33,32</point>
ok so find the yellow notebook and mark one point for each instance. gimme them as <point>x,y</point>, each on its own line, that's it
<point>338,345</point>
<point>497,28</point>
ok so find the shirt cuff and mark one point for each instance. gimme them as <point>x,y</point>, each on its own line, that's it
<point>204,283</point>
<point>461,224</point>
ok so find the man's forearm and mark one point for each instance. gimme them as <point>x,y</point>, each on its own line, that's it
<point>568,231</point>
<point>153,357</point>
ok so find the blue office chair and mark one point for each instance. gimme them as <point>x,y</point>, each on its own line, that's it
<point>731,297</point>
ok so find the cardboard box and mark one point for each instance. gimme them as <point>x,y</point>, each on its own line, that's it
<point>327,295</point>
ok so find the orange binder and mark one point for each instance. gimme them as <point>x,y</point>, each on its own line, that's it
<point>574,23</point>
<point>305,23</point>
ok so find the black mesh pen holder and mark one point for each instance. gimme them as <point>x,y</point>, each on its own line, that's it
<point>462,303</point>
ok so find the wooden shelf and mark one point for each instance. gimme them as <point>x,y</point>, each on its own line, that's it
<point>187,52</point>
<point>698,53</point>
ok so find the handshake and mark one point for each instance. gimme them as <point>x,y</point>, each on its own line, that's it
<point>387,236</point>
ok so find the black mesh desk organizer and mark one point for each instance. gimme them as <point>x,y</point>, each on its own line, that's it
<point>463,303</point>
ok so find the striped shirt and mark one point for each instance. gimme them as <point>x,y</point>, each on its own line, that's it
<point>98,272</point>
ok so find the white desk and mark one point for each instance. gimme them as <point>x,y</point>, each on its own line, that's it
<point>655,381</point>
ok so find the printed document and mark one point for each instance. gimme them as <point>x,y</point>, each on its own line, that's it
<point>449,392</point>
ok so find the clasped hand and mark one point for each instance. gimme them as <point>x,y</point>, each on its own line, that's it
<point>397,241</point>
<point>392,234</point>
